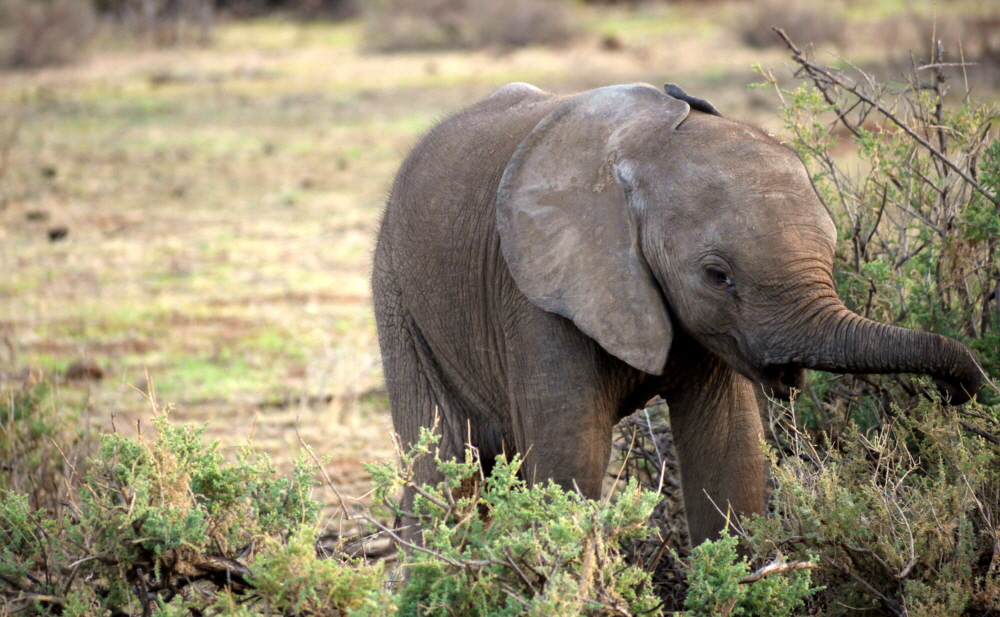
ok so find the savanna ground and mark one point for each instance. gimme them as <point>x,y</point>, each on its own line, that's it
<point>220,205</point>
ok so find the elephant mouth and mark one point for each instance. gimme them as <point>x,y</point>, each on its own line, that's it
<point>777,380</point>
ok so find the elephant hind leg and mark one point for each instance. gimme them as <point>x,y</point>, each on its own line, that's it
<point>419,397</point>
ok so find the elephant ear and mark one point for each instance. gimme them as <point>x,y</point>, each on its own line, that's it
<point>567,230</point>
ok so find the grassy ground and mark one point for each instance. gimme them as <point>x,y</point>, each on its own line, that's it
<point>221,204</point>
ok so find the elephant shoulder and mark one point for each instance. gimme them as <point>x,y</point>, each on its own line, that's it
<point>515,107</point>
<point>476,142</point>
<point>444,192</point>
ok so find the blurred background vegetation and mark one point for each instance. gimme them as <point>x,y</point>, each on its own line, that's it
<point>45,32</point>
<point>189,191</point>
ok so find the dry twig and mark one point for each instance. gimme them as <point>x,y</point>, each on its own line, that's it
<point>825,80</point>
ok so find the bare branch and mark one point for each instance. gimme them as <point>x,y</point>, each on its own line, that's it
<point>938,65</point>
<point>513,564</point>
<point>824,78</point>
<point>778,568</point>
<point>429,496</point>
<point>987,436</point>
<point>326,477</point>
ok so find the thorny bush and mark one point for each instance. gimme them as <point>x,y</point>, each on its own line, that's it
<point>895,493</point>
<point>894,496</point>
<point>903,518</point>
<point>498,547</point>
<point>913,179</point>
<point>495,546</point>
<point>163,526</point>
<point>151,523</point>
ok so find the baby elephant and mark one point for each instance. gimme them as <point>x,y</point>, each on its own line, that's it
<point>547,264</point>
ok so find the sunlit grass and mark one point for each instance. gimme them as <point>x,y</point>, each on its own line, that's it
<point>221,202</point>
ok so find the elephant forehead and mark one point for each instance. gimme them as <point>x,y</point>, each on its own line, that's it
<point>760,204</point>
<point>741,218</point>
<point>776,193</point>
<point>785,227</point>
<point>795,211</point>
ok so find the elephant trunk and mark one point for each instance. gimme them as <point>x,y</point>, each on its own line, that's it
<point>854,344</point>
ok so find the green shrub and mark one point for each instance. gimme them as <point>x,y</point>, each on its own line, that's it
<point>43,445</point>
<point>294,580</point>
<point>495,546</point>
<point>163,525</point>
<point>503,548</point>
<point>914,184</point>
<point>720,584</point>
<point>149,519</point>
<point>902,518</point>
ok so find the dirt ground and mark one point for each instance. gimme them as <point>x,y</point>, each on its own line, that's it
<point>205,216</point>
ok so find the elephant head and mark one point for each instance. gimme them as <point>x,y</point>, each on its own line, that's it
<point>635,217</point>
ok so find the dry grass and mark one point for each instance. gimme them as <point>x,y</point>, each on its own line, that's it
<point>36,33</point>
<point>220,206</point>
<point>405,25</point>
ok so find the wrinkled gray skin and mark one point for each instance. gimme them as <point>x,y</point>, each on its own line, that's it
<point>547,264</point>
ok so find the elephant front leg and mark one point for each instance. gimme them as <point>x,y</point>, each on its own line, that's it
<point>564,395</point>
<point>569,444</point>
<point>717,433</point>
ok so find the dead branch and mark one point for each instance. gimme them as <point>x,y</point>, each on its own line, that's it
<point>326,477</point>
<point>987,436</point>
<point>823,79</point>
<point>778,568</point>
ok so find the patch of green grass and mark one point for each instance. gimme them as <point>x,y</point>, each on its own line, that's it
<point>100,320</point>
<point>274,343</point>
<point>49,363</point>
<point>253,364</point>
<point>715,75</point>
<point>222,141</point>
<point>15,286</point>
<point>239,355</point>
<point>212,377</point>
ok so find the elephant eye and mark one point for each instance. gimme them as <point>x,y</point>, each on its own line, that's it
<point>719,278</point>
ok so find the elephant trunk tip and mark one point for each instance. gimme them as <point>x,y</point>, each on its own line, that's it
<point>865,346</point>
<point>963,385</point>
<point>778,380</point>
<point>954,394</point>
